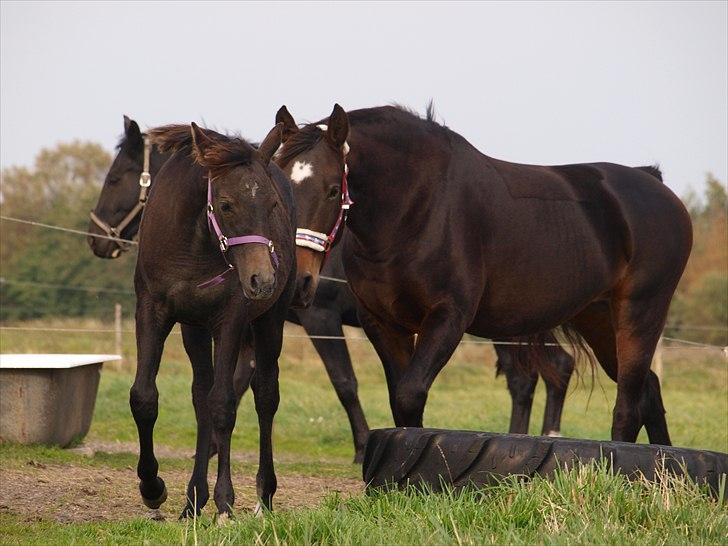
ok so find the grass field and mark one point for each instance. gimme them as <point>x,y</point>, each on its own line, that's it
<point>312,442</point>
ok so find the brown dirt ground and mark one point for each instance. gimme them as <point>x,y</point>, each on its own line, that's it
<point>70,493</point>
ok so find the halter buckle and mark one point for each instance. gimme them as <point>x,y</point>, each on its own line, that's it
<point>271,247</point>
<point>223,243</point>
<point>209,208</point>
<point>145,180</point>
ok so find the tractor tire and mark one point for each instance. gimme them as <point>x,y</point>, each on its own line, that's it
<point>397,457</point>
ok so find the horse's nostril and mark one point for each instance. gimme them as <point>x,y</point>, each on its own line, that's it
<point>254,282</point>
<point>306,282</point>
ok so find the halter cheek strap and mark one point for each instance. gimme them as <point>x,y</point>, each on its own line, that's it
<point>226,243</point>
<point>145,180</point>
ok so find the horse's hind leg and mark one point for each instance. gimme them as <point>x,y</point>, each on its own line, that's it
<point>521,386</point>
<point>336,359</point>
<point>556,386</point>
<point>653,411</point>
<point>152,327</point>
<point>626,355</point>
<point>639,326</point>
<point>198,345</point>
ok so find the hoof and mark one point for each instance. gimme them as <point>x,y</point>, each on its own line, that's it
<point>359,458</point>
<point>157,515</point>
<point>258,510</point>
<point>155,503</point>
<point>223,518</point>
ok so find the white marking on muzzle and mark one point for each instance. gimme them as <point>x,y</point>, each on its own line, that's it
<point>301,171</point>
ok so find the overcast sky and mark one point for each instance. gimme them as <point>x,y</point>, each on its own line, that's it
<point>529,82</point>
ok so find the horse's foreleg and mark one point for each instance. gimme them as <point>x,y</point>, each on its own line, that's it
<point>198,345</point>
<point>440,333</point>
<point>521,386</point>
<point>394,348</point>
<point>244,370</point>
<point>336,359</point>
<point>152,327</point>
<point>556,387</point>
<point>222,404</point>
<point>268,335</point>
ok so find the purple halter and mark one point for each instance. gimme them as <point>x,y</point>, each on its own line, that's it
<point>226,243</point>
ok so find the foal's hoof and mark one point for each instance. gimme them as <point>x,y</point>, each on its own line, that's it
<point>359,457</point>
<point>223,518</point>
<point>154,503</point>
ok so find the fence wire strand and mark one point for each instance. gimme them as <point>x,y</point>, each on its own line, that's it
<point>65,229</point>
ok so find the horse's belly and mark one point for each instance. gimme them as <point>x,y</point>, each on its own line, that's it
<point>531,307</point>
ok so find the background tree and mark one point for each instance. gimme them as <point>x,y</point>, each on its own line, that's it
<point>60,189</point>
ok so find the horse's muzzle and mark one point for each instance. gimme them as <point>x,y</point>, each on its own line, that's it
<point>259,287</point>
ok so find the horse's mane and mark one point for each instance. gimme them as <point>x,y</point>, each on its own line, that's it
<point>310,134</point>
<point>220,152</point>
<point>429,111</point>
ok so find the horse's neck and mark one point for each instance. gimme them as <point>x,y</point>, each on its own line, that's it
<point>180,200</point>
<point>387,186</point>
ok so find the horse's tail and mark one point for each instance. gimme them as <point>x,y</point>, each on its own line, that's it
<point>541,352</point>
<point>653,170</point>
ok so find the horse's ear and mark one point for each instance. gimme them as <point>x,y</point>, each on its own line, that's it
<point>338,128</point>
<point>289,124</point>
<point>271,143</point>
<point>131,129</point>
<point>200,143</point>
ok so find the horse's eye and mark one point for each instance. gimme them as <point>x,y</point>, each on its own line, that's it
<point>333,192</point>
<point>225,206</point>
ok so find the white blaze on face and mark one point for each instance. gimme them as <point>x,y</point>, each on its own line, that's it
<point>300,171</point>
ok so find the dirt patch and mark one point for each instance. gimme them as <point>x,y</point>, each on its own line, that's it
<point>69,493</point>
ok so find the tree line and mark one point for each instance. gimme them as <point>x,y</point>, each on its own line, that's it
<point>46,273</point>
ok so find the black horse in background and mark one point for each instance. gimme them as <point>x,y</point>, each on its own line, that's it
<point>444,240</point>
<point>333,307</point>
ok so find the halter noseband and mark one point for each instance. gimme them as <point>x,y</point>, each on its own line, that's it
<point>225,242</point>
<point>145,180</point>
<point>321,242</point>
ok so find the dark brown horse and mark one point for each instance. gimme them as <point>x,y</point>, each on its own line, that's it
<point>215,253</point>
<point>445,240</point>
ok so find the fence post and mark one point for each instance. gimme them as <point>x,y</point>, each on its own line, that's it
<point>657,361</point>
<point>117,331</point>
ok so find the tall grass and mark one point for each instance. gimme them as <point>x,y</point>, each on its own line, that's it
<point>583,505</point>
